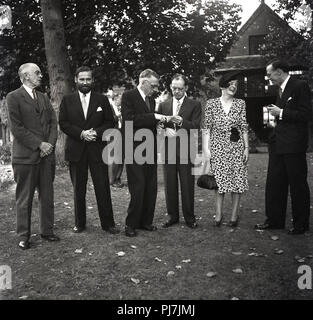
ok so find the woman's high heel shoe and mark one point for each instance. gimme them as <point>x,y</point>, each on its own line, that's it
<point>217,223</point>
<point>233,224</point>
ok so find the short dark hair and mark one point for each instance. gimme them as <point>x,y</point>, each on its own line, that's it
<point>179,76</point>
<point>82,69</point>
<point>279,64</point>
<point>227,77</point>
<point>148,73</point>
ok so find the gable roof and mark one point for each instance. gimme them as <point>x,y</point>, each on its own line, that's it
<point>264,8</point>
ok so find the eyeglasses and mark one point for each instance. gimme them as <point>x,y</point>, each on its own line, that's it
<point>177,89</point>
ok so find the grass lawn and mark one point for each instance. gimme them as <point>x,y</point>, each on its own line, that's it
<point>171,263</point>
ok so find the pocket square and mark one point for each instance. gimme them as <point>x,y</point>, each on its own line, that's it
<point>99,109</point>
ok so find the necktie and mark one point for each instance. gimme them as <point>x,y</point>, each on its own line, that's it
<point>147,102</point>
<point>178,105</point>
<point>34,94</point>
<point>84,105</point>
<point>36,100</point>
<point>280,92</point>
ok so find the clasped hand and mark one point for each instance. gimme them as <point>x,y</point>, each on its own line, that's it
<point>45,149</point>
<point>89,135</point>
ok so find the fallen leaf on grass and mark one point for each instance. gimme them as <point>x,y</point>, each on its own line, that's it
<point>66,203</point>
<point>23,297</point>
<point>121,253</point>
<point>211,274</point>
<point>79,250</point>
<point>254,211</point>
<point>170,273</point>
<point>133,247</point>
<point>90,208</point>
<point>278,251</point>
<point>299,259</point>
<point>134,280</point>
<point>237,253</point>
<point>157,259</point>
<point>186,261</point>
<point>178,267</point>
<point>255,254</point>
<point>234,298</point>
<point>200,200</point>
<point>237,270</point>
<point>274,238</point>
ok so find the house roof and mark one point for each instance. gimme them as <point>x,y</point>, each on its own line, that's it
<point>263,7</point>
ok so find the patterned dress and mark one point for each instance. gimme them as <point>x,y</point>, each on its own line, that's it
<point>227,156</point>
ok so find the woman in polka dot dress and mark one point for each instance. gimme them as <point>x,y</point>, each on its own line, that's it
<point>226,146</point>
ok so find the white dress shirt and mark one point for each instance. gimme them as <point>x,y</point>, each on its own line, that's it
<point>175,104</point>
<point>29,90</point>
<point>87,99</point>
<point>283,86</point>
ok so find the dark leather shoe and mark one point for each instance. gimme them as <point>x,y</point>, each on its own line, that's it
<point>192,225</point>
<point>294,231</point>
<point>78,229</point>
<point>130,232</point>
<point>112,230</point>
<point>24,245</point>
<point>50,237</point>
<point>169,223</point>
<point>266,226</point>
<point>149,228</point>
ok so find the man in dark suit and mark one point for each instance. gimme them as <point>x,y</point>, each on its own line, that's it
<point>138,108</point>
<point>84,116</point>
<point>288,142</point>
<point>34,127</point>
<point>185,115</point>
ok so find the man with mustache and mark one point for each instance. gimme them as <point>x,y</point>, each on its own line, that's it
<point>84,116</point>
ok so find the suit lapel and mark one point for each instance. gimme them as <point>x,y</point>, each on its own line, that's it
<point>142,102</point>
<point>78,103</point>
<point>183,106</point>
<point>92,105</point>
<point>286,93</point>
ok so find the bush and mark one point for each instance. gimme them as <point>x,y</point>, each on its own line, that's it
<point>5,154</point>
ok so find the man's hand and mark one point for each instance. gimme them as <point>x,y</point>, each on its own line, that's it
<point>176,119</point>
<point>89,135</point>
<point>274,110</point>
<point>171,133</point>
<point>45,149</point>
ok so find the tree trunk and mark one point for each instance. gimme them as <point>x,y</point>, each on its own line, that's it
<point>57,58</point>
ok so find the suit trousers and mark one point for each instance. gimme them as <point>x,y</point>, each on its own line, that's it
<point>28,177</point>
<point>187,185</point>
<point>284,171</point>
<point>100,179</point>
<point>142,185</point>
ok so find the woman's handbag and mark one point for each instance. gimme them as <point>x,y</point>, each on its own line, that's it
<point>207,181</point>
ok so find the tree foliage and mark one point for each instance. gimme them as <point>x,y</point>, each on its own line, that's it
<point>120,38</point>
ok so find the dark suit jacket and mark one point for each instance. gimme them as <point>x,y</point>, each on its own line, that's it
<point>291,133</point>
<point>72,122</point>
<point>135,109</point>
<point>190,111</point>
<point>30,127</point>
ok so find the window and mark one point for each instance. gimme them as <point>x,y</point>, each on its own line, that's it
<point>255,42</point>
